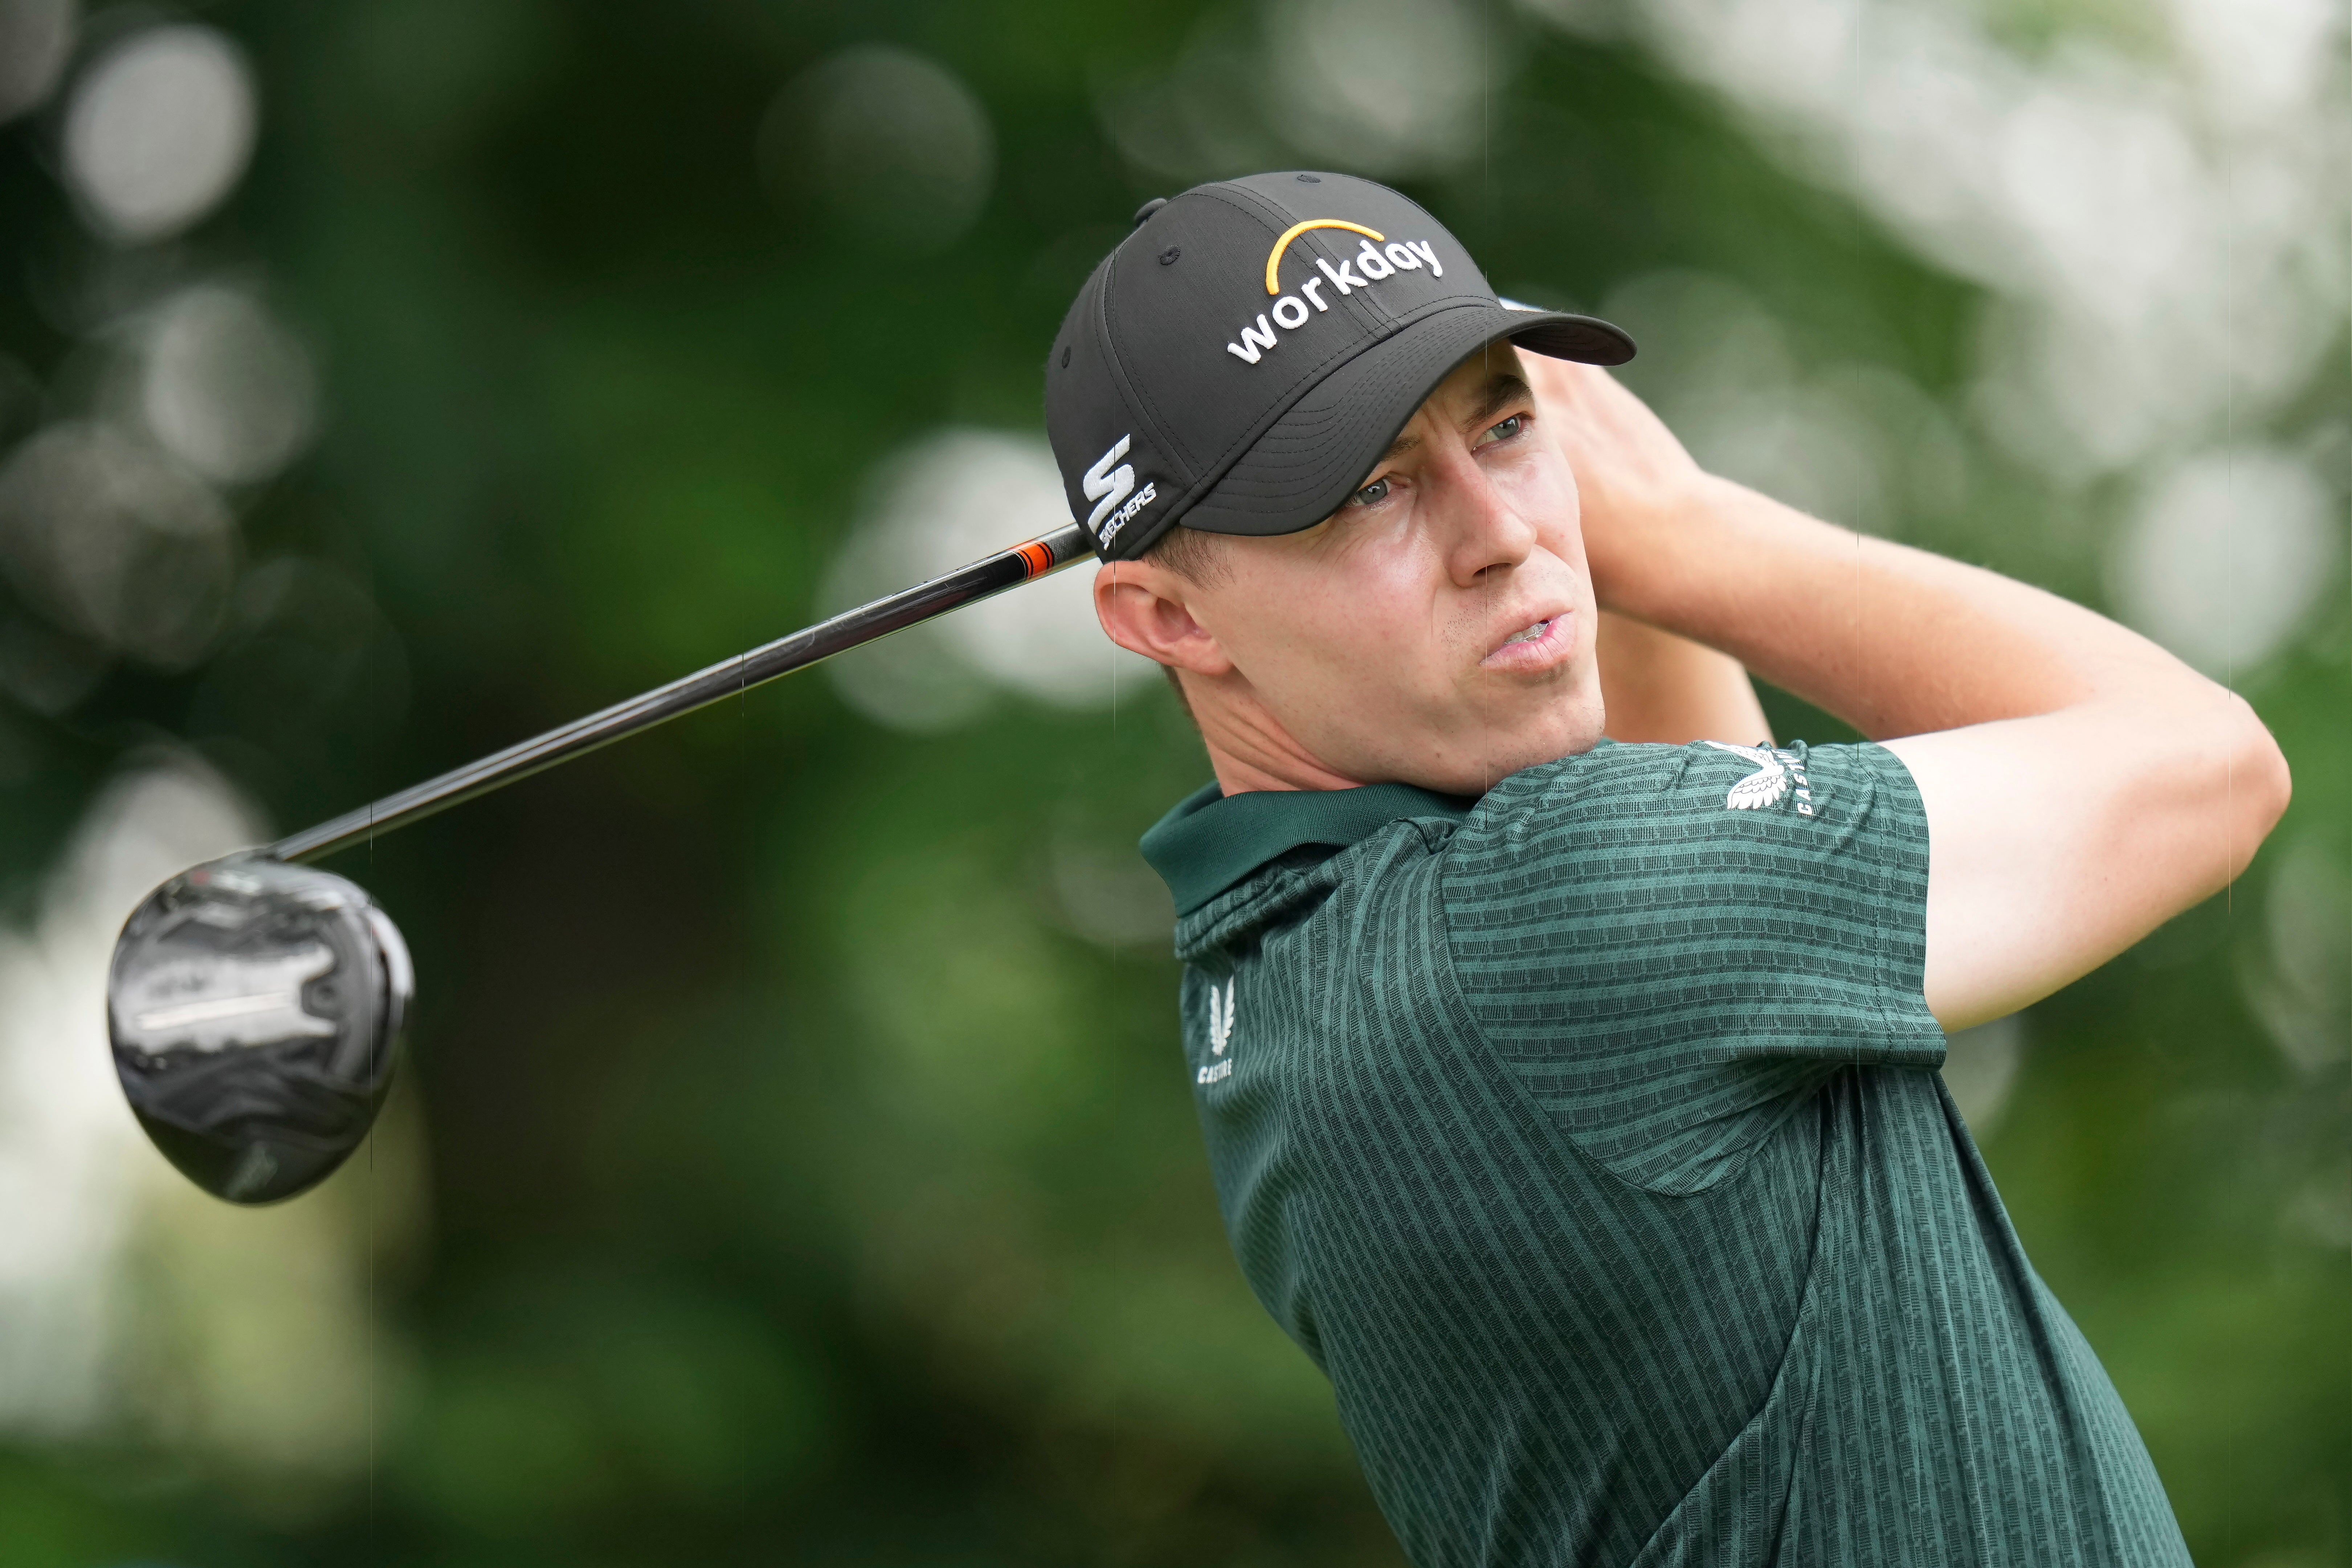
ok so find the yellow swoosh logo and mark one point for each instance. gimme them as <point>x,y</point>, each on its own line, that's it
<point>1274,257</point>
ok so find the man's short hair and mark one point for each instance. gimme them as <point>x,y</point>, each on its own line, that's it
<point>1197,557</point>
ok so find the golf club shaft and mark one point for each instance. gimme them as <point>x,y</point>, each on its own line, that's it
<point>912,606</point>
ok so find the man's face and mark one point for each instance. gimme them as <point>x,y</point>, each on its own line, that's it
<point>1436,630</point>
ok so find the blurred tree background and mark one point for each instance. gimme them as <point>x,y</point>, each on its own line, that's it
<point>793,1159</point>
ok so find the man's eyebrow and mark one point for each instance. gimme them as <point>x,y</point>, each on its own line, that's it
<point>1501,391</point>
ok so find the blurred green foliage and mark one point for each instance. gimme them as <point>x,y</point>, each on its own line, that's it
<point>804,1183</point>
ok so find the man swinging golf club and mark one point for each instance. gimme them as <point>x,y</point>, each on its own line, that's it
<point>1573,1102</point>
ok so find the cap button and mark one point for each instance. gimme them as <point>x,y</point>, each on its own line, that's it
<point>1148,208</point>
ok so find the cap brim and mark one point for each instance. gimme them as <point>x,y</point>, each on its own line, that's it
<point>1318,452</point>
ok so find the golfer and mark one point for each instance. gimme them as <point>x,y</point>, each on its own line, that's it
<point>1566,1046</point>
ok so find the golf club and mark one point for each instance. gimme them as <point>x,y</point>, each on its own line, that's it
<point>255,1004</point>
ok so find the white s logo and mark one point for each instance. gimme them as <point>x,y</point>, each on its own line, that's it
<point>1106,486</point>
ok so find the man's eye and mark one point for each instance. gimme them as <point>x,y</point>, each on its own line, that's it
<point>1507,429</point>
<point>1371,494</point>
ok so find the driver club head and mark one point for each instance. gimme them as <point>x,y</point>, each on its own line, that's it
<point>254,1008</point>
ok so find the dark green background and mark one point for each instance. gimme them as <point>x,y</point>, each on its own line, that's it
<point>800,1187</point>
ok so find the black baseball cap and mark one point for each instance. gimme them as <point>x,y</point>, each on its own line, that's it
<point>1244,356</point>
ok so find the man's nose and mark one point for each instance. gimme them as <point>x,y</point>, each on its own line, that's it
<point>1485,531</point>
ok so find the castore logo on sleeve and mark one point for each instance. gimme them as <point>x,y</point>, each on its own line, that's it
<point>1221,1035</point>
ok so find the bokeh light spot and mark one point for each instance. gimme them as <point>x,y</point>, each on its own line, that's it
<point>35,37</point>
<point>891,144</point>
<point>112,541</point>
<point>951,499</point>
<point>2226,556</point>
<point>1385,88</point>
<point>157,131</point>
<point>226,390</point>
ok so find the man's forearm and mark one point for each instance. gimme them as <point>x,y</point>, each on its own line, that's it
<point>1894,641</point>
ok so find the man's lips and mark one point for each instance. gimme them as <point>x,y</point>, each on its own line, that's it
<point>1538,645</point>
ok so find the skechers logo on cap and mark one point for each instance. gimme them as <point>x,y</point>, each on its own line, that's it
<point>1377,257</point>
<point>1108,487</point>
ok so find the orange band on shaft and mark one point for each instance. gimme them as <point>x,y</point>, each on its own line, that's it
<point>1035,558</point>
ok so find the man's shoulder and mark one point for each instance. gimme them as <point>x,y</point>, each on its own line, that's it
<point>1618,786</point>
<point>1708,821</point>
<point>1709,813</point>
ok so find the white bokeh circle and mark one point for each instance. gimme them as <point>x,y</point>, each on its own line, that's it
<point>158,131</point>
<point>951,498</point>
<point>2226,555</point>
<point>226,388</point>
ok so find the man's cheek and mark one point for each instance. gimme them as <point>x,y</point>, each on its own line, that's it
<point>1560,524</point>
<point>1542,490</point>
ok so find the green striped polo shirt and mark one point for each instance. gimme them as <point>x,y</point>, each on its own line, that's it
<point>1589,1136</point>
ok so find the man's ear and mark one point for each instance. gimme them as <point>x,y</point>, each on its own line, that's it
<point>1147,608</point>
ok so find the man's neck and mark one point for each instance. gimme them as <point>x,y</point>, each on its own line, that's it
<point>1249,748</point>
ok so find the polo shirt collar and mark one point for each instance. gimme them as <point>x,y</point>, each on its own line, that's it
<point>1212,841</point>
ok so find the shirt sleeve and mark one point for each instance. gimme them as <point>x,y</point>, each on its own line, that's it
<point>1671,946</point>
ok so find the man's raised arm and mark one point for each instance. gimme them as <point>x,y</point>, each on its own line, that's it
<point>2082,785</point>
<point>1660,688</point>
